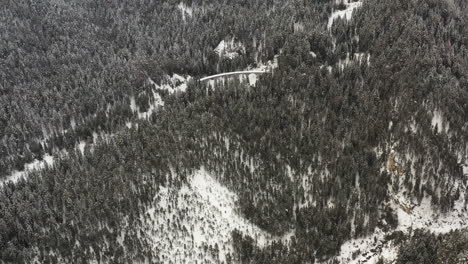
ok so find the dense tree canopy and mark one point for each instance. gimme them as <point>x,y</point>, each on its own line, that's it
<point>307,148</point>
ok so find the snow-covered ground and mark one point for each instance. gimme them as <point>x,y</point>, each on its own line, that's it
<point>185,10</point>
<point>344,14</point>
<point>358,58</point>
<point>32,166</point>
<point>201,215</point>
<point>229,49</point>
<point>347,14</point>
<point>152,107</point>
<point>49,160</point>
<point>268,66</point>
<point>411,215</point>
<point>369,249</point>
<point>438,120</point>
<point>425,217</point>
<point>173,84</point>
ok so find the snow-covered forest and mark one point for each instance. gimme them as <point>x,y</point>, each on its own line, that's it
<point>342,137</point>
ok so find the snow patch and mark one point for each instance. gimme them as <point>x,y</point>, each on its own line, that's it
<point>133,105</point>
<point>298,27</point>
<point>267,67</point>
<point>201,215</point>
<point>81,147</point>
<point>411,216</point>
<point>253,79</point>
<point>423,216</point>
<point>173,84</point>
<point>358,58</point>
<point>47,161</point>
<point>361,247</point>
<point>185,10</point>
<point>438,120</point>
<point>344,14</point>
<point>229,49</point>
<point>157,102</point>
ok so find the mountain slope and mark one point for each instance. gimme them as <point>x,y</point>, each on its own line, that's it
<point>356,139</point>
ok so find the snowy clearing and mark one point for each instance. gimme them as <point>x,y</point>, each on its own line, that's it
<point>200,215</point>
<point>229,49</point>
<point>173,84</point>
<point>47,161</point>
<point>153,106</point>
<point>344,14</point>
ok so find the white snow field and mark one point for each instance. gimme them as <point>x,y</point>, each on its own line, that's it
<point>344,14</point>
<point>194,224</point>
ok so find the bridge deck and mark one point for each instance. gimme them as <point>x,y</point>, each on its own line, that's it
<point>231,73</point>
